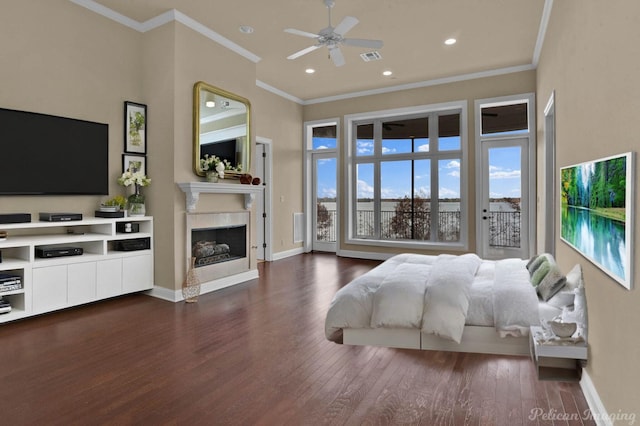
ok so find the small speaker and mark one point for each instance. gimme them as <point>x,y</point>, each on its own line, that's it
<point>15,218</point>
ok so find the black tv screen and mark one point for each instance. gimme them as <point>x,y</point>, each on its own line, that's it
<point>225,150</point>
<point>47,155</point>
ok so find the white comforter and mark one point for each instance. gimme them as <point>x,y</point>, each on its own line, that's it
<point>431,293</point>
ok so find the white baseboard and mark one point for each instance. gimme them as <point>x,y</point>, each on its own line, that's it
<point>207,287</point>
<point>288,253</point>
<point>600,415</point>
<point>365,255</point>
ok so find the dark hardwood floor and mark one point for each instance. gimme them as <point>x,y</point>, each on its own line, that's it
<point>254,354</point>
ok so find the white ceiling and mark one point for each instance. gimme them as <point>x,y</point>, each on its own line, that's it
<point>494,36</point>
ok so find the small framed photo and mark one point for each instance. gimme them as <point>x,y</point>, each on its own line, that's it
<point>135,162</point>
<point>135,128</point>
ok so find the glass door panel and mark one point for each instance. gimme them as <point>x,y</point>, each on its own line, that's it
<point>325,213</point>
<point>504,206</point>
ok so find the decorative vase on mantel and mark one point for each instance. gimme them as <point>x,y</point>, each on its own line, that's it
<point>212,176</point>
<point>191,284</point>
<point>135,203</point>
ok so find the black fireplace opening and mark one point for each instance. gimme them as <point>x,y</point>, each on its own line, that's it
<point>221,244</point>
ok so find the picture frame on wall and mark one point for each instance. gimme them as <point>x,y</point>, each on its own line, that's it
<point>130,161</point>
<point>597,209</point>
<point>135,128</point>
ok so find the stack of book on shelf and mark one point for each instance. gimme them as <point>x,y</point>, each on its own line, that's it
<point>5,306</point>
<point>10,282</point>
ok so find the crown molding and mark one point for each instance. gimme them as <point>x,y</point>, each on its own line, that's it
<point>165,18</point>
<point>419,84</point>
<point>175,15</point>
<point>279,92</point>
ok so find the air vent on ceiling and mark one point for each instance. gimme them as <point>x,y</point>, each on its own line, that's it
<point>371,56</point>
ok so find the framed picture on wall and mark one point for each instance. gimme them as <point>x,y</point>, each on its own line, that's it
<point>597,211</point>
<point>134,162</point>
<point>135,128</point>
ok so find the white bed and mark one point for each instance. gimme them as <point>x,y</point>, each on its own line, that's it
<point>422,302</point>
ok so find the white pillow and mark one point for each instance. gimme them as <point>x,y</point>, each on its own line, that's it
<point>562,298</point>
<point>574,278</point>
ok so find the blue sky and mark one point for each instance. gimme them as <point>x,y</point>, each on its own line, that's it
<point>504,170</point>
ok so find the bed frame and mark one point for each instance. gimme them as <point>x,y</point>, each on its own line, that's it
<point>475,339</point>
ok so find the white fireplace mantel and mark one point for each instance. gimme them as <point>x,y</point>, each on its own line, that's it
<point>194,189</point>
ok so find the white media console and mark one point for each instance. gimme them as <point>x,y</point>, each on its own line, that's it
<point>103,269</point>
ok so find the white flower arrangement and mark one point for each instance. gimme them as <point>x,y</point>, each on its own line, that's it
<point>134,178</point>
<point>212,163</point>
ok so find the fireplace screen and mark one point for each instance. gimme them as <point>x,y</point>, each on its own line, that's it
<point>215,245</point>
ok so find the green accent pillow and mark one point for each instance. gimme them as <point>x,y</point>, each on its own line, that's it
<point>536,261</point>
<point>551,283</point>
<point>540,272</point>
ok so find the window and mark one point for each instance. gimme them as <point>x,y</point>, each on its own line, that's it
<point>407,176</point>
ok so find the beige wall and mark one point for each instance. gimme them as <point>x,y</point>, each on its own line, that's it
<point>470,90</point>
<point>60,59</point>
<point>281,121</point>
<point>590,59</point>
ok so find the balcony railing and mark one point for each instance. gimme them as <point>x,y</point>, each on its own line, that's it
<point>504,227</point>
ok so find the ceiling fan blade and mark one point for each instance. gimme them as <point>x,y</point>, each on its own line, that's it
<point>300,33</point>
<point>304,51</point>
<point>347,23</point>
<point>371,44</point>
<point>336,56</point>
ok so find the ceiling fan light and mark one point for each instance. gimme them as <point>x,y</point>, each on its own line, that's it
<point>450,41</point>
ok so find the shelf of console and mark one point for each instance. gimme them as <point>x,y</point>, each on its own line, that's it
<point>100,272</point>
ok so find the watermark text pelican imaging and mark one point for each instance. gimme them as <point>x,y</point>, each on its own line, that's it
<point>554,415</point>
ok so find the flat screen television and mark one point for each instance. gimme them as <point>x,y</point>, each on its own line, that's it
<point>225,150</point>
<point>47,155</point>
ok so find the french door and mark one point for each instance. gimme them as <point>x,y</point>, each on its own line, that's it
<point>504,199</point>
<point>324,202</point>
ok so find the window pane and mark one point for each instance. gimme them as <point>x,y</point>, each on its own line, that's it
<point>449,200</point>
<point>326,199</point>
<point>505,187</point>
<point>400,136</point>
<point>449,132</point>
<point>396,146</point>
<point>422,200</point>
<point>404,216</point>
<point>365,220</point>
<point>364,139</point>
<point>324,137</point>
<point>395,182</point>
<point>421,145</point>
<point>505,119</point>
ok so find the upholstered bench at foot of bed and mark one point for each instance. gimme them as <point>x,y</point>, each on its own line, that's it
<point>475,339</point>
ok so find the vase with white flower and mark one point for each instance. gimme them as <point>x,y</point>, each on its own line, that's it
<point>214,167</point>
<point>135,202</point>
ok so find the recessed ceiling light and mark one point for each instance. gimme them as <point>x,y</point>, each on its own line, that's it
<point>387,73</point>
<point>309,70</point>
<point>450,41</point>
<point>246,29</point>
<point>210,104</point>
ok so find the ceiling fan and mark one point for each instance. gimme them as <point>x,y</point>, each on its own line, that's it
<point>332,38</point>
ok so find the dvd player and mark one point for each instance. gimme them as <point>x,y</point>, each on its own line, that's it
<point>59,217</point>
<point>57,251</point>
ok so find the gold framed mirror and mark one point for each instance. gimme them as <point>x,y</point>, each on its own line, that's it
<point>221,127</point>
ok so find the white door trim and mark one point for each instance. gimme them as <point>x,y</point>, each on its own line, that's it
<point>268,202</point>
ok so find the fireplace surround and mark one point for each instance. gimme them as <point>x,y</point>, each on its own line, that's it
<point>220,244</point>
